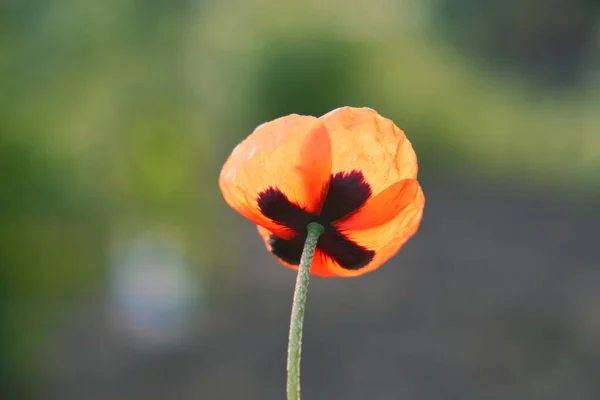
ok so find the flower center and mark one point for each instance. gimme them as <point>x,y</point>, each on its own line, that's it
<point>348,191</point>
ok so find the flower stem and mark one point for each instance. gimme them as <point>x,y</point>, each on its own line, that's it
<point>295,339</point>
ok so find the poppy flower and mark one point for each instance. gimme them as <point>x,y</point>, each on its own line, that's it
<point>351,170</point>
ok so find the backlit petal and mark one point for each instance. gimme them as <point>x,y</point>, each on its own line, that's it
<point>363,140</point>
<point>292,154</point>
<point>383,207</point>
<point>386,239</point>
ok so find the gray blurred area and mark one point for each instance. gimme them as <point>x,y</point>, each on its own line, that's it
<point>124,275</point>
<point>496,297</point>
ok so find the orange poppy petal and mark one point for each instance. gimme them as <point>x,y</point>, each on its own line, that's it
<point>292,154</point>
<point>383,207</point>
<point>363,140</point>
<point>386,239</point>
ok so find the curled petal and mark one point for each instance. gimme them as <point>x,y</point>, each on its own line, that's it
<point>387,238</point>
<point>381,208</point>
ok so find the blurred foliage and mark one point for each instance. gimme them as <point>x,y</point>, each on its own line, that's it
<point>306,76</point>
<point>44,233</point>
<point>99,140</point>
<point>548,41</point>
<point>115,117</point>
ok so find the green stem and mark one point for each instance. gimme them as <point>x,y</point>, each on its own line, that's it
<point>295,340</point>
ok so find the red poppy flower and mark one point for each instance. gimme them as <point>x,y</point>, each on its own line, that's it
<point>351,170</point>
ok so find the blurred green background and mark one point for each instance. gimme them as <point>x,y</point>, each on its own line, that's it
<point>116,116</point>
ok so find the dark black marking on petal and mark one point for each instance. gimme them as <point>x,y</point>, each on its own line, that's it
<point>333,244</point>
<point>287,250</point>
<point>348,191</point>
<point>347,253</point>
<point>276,206</point>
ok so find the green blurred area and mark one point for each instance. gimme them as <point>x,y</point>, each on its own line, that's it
<point>116,116</point>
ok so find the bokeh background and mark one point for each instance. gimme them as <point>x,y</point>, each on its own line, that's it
<point>123,274</point>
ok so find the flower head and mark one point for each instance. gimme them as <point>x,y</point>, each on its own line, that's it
<point>351,170</point>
